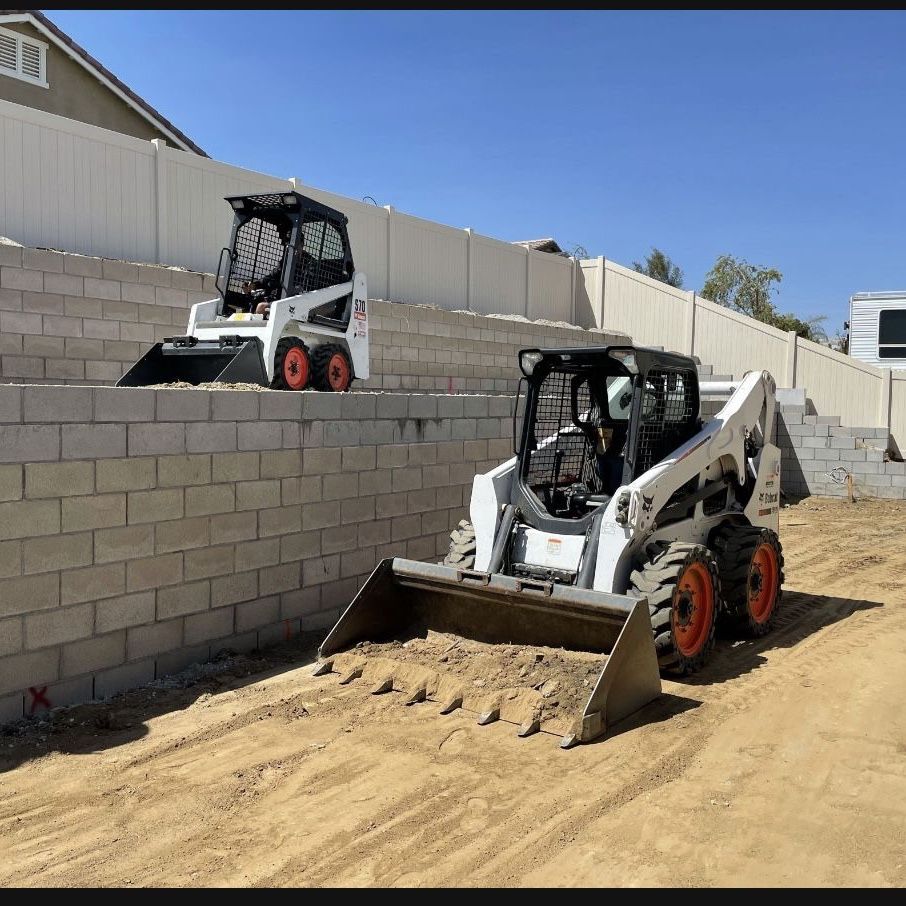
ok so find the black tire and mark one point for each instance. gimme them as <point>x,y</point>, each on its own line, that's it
<point>742,576</point>
<point>462,546</point>
<point>321,359</point>
<point>283,347</point>
<point>668,578</point>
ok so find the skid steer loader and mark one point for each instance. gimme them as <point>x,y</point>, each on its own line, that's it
<point>603,553</point>
<point>292,311</point>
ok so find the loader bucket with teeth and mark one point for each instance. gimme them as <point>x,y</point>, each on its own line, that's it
<point>546,657</point>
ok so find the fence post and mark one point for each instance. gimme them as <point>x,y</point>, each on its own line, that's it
<point>528,281</point>
<point>162,251</point>
<point>574,291</point>
<point>599,292</point>
<point>884,402</point>
<point>791,348</point>
<point>469,268</point>
<point>690,324</point>
<point>390,286</point>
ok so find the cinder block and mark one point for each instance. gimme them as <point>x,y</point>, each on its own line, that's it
<point>420,501</point>
<point>182,599</point>
<point>10,559</point>
<point>68,370</point>
<point>44,555</point>
<point>21,323</point>
<point>58,479</point>
<point>257,613</point>
<point>60,326</point>
<point>300,602</point>
<point>319,570</point>
<point>28,368</point>
<point>260,435</point>
<point>183,405</point>
<point>256,495</point>
<point>126,474</point>
<point>210,499</point>
<point>235,467</point>
<point>425,454</point>
<point>102,289</point>
<point>11,706</point>
<point>342,434</point>
<point>842,443</point>
<point>182,534</point>
<point>340,486</point>
<point>29,443</point>
<point>300,546</point>
<point>193,469</point>
<point>175,298</point>
<point>92,441</point>
<point>10,404</point>
<point>283,631</point>
<point>280,521</point>
<point>11,636</point>
<point>390,405</point>
<point>372,533</point>
<point>29,518</point>
<point>234,527</point>
<point>337,595</point>
<point>10,482</point>
<point>211,437</point>
<point>81,348</point>
<point>10,254</point>
<point>280,405</point>
<point>239,643</point>
<point>405,527</point>
<point>337,539</point>
<point>387,505</point>
<point>58,695</point>
<point>42,260</point>
<point>101,330</point>
<point>320,515</point>
<point>123,543</point>
<point>234,405</point>
<point>64,285</point>
<point>94,654</point>
<point>358,509</point>
<point>408,479</point>
<point>21,279</point>
<point>101,511</point>
<point>119,679</point>
<point>93,583</point>
<point>357,406</point>
<point>381,432</point>
<point>359,459</point>
<point>35,668</point>
<point>119,270</point>
<point>53,627</point>
<point>275,579</point>
<point>82,265</point>
<point>153,275</point>
<point>155,506</point>
<point>321,461</point>
<point>212,624</point>
<point>154,572</point>
<point>256,554</point>
<point>300,490</point>
<point>233,589</point>
<point>281,463</point>
<point>45,347</point>
<point>209,561</point>
<point>157,439</point>
<point>102,371</point>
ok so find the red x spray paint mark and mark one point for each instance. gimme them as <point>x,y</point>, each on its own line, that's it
<point>38,697</point>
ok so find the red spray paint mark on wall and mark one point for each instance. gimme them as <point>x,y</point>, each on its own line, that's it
<point>287,629</point>
<point>450,384</point>
<point>38,698</point>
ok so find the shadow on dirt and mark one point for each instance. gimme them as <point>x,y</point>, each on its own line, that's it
<point>800,616</point>
<point>123,718</point>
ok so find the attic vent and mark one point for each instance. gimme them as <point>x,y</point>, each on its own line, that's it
<point>22,58</point>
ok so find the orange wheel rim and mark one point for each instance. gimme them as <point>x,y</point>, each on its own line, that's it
<point>693,609</point>
<point>763,576</point>
<point>295,368</point>
<point>338,372</point>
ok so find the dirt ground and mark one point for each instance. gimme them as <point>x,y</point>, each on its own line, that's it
<point>784,763</point>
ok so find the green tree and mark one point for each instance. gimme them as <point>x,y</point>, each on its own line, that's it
<point>748,288</point>
<point>658,266</point>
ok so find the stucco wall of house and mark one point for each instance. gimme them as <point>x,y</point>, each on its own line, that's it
<point>73,92</point>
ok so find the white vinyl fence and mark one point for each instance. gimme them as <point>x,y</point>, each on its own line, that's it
<point>75,187</point>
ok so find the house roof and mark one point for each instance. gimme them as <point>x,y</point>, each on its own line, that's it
<point>104,75</point>
<point>542,245</point>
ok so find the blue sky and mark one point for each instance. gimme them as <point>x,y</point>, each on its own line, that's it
<point>777,137</point>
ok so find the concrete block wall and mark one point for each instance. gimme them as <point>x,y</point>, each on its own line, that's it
<point>143,530</point>
<point>73,319</point>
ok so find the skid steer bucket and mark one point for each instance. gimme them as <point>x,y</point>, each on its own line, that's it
<point>546,657</point>
<point>232,360</point>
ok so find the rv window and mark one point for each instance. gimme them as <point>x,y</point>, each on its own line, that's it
<point>892,334</point>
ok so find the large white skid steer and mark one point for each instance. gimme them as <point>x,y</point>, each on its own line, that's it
<point>601,554</point>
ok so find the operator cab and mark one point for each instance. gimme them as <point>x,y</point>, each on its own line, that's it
<point>595,419</point>
<point>283,245</point>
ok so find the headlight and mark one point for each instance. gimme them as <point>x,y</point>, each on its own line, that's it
<point>237,203</point>
<point>289,199</point>
<point>528,359</point>
<point>626,357</point>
